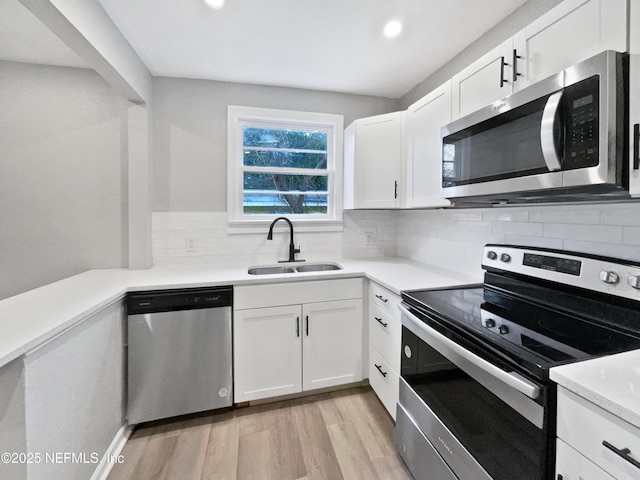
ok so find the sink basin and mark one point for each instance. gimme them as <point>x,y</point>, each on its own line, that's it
<point>270,270</point>
<point>297,268</point>
<point>319,267</point>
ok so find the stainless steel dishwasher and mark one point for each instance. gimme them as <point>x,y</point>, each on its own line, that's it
<point>179,352</point>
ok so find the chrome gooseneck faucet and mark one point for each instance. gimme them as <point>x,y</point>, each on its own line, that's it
<point>292,248</point>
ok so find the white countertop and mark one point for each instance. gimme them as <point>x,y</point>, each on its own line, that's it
<point>611,382</point>
<point>34,317</point>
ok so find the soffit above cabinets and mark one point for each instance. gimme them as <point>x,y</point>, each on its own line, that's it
<point>330,45</point>
<point>23,38</point>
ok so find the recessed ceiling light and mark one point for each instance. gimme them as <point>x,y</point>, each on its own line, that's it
<point>392,29</point>
<point>217,4</point>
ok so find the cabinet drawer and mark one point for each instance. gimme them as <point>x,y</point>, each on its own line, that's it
<point>385,334</point>
<point>292,293</point>
<point>585,426</point>
<point>573,466</point>
<point>385,299</point>
<point>384,381</point>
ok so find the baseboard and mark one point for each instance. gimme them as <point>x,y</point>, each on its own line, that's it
<point>111,456</point>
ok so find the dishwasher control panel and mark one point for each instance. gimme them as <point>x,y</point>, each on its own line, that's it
<point>179,299</point>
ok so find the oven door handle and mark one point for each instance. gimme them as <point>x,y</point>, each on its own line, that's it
<point>513,379</point>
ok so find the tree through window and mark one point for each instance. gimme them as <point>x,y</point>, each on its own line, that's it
<point>284,163</point>
<point>285,171</point>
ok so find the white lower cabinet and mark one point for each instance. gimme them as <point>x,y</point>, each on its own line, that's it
<point>385,338</point>
<point>593,443</point>
<point>280,350</point>
<point>571,465</point>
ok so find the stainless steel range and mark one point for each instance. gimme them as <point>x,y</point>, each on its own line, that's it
<point>476,401</point>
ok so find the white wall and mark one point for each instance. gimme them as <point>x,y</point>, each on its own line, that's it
<point>190,133</point>
<point>454,238</point>
<point>61,175</point>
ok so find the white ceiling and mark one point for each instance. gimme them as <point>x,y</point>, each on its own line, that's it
<point>23,38</point>
<point>332,45</point>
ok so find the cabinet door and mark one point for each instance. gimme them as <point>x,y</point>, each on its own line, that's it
<point>634,98</point>
<point>267,352</point>
<point>332,345</point>
<point>570,465</point>
<point>378,161</point>
<point>424,148</point>
<point>569,33</point>
<point>484,81</point>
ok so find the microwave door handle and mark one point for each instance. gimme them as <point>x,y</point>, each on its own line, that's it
<point>512,379</point>
<point>547,140</point>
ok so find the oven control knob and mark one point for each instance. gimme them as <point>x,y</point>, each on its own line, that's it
<point>505,257</point>
<point>634,281</point>
<point>491,255</point>
<point>503,329</point>
<point>609,276</point>
<point>490,323</point>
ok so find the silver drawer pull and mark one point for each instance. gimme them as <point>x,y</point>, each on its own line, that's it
<point>379,367</point>
<point>380,297</point>
<point>379,320</point>
<point>624,453</point>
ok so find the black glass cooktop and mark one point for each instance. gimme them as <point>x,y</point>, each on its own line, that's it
<point>527,326</point>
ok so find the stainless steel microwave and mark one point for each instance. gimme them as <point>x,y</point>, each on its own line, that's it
<point>562,137</point>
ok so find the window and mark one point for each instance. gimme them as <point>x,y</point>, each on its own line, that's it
<point>284,163</point>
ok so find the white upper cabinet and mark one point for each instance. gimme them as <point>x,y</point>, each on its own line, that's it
<point>374,150</point>
<point>634,98</point>
<point>424,148</point>
<point>569,33</point>
<point>484,81</point>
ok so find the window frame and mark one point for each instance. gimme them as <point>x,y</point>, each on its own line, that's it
<point>239,117</point>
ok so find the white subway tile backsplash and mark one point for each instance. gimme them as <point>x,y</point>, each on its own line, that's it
<point>517,228</point>
<point>214,245</point>
<point>449,238</point>
<point>591,233</point>
<point>585,214</point>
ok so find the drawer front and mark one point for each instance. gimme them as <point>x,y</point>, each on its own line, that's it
<point>293,293</point>
<point>585,427</point>
<point>385,299</point>
<point>385,334</point>
<point>384,381</point>
<point>573,466</point>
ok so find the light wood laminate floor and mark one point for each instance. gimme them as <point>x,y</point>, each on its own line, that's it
<point>332,436</point>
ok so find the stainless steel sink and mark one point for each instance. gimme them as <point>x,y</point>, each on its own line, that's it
<point>319,267</point>
<point>307,267</point>
<point>270,270</point>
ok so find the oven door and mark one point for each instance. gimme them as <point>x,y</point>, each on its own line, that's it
<point>485,423</point>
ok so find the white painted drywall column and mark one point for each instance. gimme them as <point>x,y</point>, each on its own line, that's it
<point>139,185</point>
<point>87,29</point>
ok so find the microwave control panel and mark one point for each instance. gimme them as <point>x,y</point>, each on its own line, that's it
<point>581,102</point>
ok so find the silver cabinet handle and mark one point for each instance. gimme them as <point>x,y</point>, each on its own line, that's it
<point>547,140</point>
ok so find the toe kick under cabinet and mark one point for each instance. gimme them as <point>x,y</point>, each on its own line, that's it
<point>295,337</point>
<point>385,332</point>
